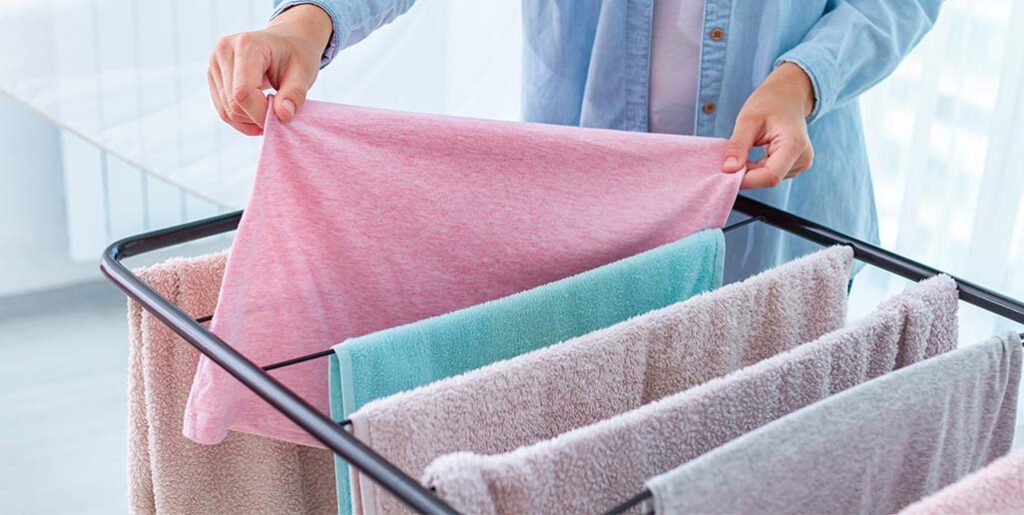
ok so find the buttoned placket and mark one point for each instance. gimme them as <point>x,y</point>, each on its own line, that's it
<point>712,64</point>
<point>639,15</point>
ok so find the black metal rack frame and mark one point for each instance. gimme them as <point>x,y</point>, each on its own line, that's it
<point>339,440</point>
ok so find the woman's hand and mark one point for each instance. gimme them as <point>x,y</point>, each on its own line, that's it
<point>284,56</point>
<point>774,117</point>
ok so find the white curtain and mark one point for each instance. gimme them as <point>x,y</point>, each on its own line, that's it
<point>944,138</point>
<point>129,75</point>
<point>142,145</point>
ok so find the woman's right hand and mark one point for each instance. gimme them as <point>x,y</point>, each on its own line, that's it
<point>284,56</point>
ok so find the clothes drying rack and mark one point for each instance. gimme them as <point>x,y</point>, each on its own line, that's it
<point>335,437</point>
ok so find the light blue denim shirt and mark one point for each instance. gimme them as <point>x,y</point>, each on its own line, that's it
<point>586,62</point>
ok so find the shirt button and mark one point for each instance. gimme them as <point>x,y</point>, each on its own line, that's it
<point>709,107</point>
<point>717,34</point>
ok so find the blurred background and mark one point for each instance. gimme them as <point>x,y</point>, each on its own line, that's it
<point>107,130</point>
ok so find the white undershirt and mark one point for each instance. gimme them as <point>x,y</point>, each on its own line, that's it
<point>676,33</point>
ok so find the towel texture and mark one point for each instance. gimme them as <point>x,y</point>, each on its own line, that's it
<point>168,473</point>
<point>596,467</point>
<point>402,358</point>
<point>997,488</point>
<point>598,375</point>
<point>874,448</point>
<point>363,219</point>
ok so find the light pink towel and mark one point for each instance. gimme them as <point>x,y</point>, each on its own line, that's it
<point>596,467</point>
<point>363,219</point>
<point>586,379</point>
<point>995,489</point>
<point>168,473</point>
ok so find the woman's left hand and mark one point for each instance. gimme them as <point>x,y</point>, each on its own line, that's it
<point>775,118</point>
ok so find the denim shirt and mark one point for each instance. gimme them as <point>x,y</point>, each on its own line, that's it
<point>586,63</point>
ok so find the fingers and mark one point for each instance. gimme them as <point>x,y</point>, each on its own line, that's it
<point>213,77</point>
<point>802,165</point>
<point>805,161</point>
<point>785,160</point>
<point>744,136</point>
<point>780,160</point>
<point>235,87</point>
<point>247,99</point>
<point>224,59</point>
<point>759,179</point>
<point>291,94</point>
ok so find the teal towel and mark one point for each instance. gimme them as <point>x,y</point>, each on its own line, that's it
<point>402,358</point>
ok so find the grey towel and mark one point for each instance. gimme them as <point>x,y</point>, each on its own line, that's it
<point>598,466</point>
<point>872,449</point>
<point>168,473</point>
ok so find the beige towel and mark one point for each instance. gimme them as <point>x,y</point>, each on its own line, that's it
<point>598,466</point>
<point>168,473</point>
<point>547,392</point>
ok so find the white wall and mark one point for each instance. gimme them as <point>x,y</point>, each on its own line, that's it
<point>33,236</point>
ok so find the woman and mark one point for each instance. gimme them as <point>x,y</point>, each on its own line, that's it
<point>779,78</point>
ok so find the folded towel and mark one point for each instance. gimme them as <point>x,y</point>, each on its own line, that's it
<point>578,382</point>
<point>997,488</point>
<point>874,448</point>
<point>390,361</point>
<point>596,467</point>
<point>363,219</point>
<point>168,473</point>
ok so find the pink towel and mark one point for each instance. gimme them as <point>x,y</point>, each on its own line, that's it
<point>168,473</point>
<point>586,379</point>
<point>995,489</point>
<point>362,219</point>
<point>596,467</point>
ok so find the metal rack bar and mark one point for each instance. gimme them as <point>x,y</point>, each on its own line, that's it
<point>321,427</point>
<point>335,438</point>
<point>871,254</point>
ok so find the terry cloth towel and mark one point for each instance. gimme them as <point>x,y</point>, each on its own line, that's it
<point>596,467</point>
<point>874,448</point>
<point>997,488</point>
<point>387,362</point>
<point>168,473</point>
<point>553,390</point>
<point>363,219</point>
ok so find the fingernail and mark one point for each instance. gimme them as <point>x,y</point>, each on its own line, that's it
<point>289,106</point>
<point>731,162</point>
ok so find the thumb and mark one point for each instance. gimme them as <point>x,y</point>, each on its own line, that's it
<point>738,149</point>
<point>290,96</point>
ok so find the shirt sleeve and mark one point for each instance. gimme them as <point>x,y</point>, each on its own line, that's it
<point>856,44</point>
<point>352,20</point>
